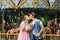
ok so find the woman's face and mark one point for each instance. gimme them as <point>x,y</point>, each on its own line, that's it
<point>26,17</point>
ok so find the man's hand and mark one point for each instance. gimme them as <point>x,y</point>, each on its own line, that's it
<point>38,34</point>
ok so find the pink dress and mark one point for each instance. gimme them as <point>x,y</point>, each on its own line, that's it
<point>23,35</point>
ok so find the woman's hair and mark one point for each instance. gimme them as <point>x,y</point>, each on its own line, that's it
<point>23,18</point>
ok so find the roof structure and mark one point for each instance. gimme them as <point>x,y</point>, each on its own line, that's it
<point>50,4</point>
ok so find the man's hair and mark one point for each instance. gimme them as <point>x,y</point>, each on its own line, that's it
<point>34,14</point>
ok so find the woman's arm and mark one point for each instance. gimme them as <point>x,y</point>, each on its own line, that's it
<point>21,27</point>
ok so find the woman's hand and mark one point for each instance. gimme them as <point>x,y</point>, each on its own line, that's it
<point>29,29</point>
<point>14,30</point>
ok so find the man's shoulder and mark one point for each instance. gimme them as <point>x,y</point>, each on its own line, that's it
<point>38,20</point>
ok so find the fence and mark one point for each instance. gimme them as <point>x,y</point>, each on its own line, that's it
<point>9,36</point>
<point>51,36</point>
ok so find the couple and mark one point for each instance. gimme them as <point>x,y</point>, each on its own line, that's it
<point>36,26</point>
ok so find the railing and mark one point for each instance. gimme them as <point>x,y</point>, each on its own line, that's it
<point>51,36</point>
<point>9,36</point>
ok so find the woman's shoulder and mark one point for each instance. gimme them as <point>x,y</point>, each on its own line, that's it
<point>23,22</point>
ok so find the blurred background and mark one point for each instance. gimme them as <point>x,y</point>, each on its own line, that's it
<point>47,11</point>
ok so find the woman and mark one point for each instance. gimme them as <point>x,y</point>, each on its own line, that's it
<point>24,29</point>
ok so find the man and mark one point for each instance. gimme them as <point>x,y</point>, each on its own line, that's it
<point>37,27</point>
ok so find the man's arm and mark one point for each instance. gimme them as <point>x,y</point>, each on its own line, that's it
<point>42,29</point>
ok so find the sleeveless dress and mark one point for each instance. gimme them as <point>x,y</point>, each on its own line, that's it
<point>23,35</point>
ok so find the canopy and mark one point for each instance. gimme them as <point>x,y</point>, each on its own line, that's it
<point>30,3</point>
